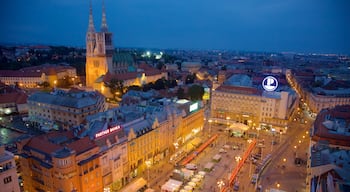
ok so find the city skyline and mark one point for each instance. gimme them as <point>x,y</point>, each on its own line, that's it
<point>296,26</point>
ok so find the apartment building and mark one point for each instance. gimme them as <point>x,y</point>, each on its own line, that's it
<point>8,172</point>
<point>63,109</point>
<point>329,152</point>
<point>254,107</point>
<point>59,161</point>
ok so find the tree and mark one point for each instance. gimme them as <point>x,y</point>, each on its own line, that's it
<point>196,92</point>
<point>180,93</point>
<point>159,84</point>
<point>44,84</point>
<point>135,88</point>
<point>190,78</point>
<point>116,87</point>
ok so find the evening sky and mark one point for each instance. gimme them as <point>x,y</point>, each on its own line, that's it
<point>321,26</point>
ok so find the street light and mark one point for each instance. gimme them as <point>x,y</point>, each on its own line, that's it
<point>210,121</point>
<point>220,184</point>
<point>148,164</point>
<point>228,130</point>
<point>278,185</point>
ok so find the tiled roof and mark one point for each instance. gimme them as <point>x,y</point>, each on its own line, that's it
<point>321,132</point>
<point>240,90</point>
<point>65,99</point>
<point>11,73</point>
<point>17,97</point>
<point>48,143</point>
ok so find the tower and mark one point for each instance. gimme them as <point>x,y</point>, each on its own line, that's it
<point>99,51</point>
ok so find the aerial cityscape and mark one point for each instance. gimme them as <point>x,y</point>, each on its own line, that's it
<point>185,96</point>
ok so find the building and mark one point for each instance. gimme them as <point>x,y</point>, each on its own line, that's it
<point>63,109</point>
<point>247,104</point>
<point>12,100</point>
<point>329,156</point>
<point>110,136</point>
<point>8,172</point>
<point>33,77</point>
<point>319,92</point>
<point>59,161</point>
<point>103,64</point>
<point>99,50</point>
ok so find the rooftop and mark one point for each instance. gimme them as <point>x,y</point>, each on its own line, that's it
<point>62,98</point>
<point>333,125</point>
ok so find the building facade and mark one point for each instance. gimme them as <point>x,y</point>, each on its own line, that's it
<point>319,92</point>
<point>8,172</point>
<point>63,109</point>
<point>252,107</point>
<point>32,77</point>
<point>328,155</point>
<point>58,161</point>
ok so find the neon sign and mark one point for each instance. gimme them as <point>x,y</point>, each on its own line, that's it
<point>193,107</point>
<point>270,83</point>
<point>107,131</point>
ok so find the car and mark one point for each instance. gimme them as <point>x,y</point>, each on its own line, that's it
<point>235,147</point>
<point>236,186</point>
<point>222,151</point>
<point>191,166</point>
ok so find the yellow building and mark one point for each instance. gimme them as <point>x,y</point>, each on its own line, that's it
<point>32,77</point>
<point>142,144</point>
<point>57,161</point>
<point>192,120</point>
<point>104,64</point>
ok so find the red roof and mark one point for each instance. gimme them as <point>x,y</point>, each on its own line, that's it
<point>11,73</point>
<point>323,133</point>
<point>237,89</point>
<point>18,98</point>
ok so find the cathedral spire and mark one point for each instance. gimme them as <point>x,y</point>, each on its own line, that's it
<point>104,27</point>
<point>91,20</point>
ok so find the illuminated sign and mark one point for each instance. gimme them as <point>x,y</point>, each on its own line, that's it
<point>107,131</point>
<point>270,83</point>
<point>193,107</point>
<point>206,95</point>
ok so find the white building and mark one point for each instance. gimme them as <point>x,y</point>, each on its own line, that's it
<point>8,171</point>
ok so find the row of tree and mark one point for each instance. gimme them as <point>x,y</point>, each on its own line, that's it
<point>117,89</point>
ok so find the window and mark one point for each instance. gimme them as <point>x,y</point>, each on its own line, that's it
<point>7,180</point>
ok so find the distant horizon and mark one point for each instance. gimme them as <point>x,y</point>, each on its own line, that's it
<point>189,49</point>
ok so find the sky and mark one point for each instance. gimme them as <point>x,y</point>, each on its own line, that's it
<point>317,26</point>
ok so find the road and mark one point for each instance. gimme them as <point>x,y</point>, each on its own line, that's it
<point>281,173</point>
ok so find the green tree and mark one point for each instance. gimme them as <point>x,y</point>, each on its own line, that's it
<point>135,88</point>
<point>190,78</point>
<point>196,92</point>
<point>116,88</point>
<point>160,84</point>
<point>180,93</point>
<point>44,84</point>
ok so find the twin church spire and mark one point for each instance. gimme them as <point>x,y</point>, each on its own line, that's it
<point>104,27</point>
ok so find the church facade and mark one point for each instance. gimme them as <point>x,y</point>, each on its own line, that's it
<point>104,64</point>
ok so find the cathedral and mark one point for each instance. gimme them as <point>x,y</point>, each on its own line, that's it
<point>100,54</point>
<point>104,64</point>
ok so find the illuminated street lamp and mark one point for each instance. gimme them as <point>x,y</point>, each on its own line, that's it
<point>227,128</point>
<point>238,158</point>
<point>278,185</point>
<point>148,164</point>
<point>210,121</point>
<point>220,184</point>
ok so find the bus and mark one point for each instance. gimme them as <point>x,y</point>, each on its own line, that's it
<point>139,185</point>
